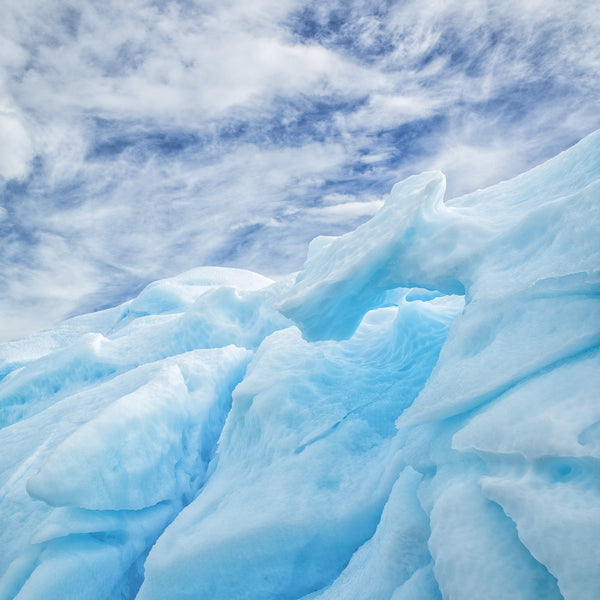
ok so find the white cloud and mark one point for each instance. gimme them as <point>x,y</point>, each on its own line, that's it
<point>347,210</point>
<point>505,84</point>
<point>135,61</point>
<point>44,293</point>
<point>16,150</point>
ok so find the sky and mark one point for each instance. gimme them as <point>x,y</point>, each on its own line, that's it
<point>140,139</point>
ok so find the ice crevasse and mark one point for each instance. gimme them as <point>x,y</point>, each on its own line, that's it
<point>414,415</point>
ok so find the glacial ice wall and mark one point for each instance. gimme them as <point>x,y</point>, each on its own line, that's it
<point>415,415</point>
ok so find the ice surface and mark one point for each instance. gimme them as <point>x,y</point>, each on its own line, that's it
<point>311,447</point>
<point>396,552</point>
<point>413,416</point>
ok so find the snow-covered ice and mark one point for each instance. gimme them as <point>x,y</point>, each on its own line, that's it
<point>415,415</point>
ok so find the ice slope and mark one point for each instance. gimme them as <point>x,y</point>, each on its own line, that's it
<point>415,415</point>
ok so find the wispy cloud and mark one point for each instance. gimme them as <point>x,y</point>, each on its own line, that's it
<point>143,138</point>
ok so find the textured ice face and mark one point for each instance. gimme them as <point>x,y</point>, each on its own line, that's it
<point>305,465</point>
<point>333,435</point>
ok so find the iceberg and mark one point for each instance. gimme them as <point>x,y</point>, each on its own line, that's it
<point>413,416</point>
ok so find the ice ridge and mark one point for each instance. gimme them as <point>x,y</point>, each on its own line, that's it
<point>413,416</point>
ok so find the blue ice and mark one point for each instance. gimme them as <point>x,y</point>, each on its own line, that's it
<point>413,416</point>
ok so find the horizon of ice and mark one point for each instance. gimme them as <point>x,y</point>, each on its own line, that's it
<point>413,416</point>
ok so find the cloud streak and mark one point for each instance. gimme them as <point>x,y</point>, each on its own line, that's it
<point>140,139</point>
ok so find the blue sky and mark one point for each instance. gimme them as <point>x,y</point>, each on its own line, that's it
<point>139,139</point>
